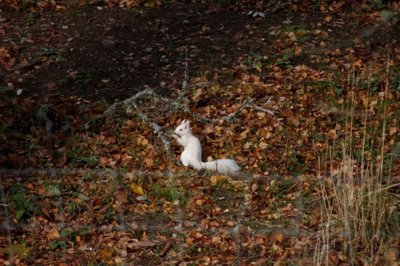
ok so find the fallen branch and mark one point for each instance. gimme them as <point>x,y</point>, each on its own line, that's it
<point>130,105</point>
<point>157,130</point>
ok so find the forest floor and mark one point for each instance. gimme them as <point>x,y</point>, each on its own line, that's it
<point>76,192</point>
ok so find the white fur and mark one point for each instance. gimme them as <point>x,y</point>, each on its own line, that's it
<point>191,155</point>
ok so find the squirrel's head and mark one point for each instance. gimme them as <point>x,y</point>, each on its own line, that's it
<point>183,128</point>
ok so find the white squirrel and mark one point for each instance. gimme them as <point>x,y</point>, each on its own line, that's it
<point>191,155</point>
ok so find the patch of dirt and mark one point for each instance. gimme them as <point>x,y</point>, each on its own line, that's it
<point>112,53</point>
<point>115,53</point>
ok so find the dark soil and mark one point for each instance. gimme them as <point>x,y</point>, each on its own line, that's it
<point>108,54</point>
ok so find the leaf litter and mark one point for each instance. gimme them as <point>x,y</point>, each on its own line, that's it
<point>128,203</point>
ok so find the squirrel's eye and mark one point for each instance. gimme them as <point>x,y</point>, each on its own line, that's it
<point>180,129</point>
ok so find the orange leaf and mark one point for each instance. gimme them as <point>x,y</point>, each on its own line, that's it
<point>53,234</point>
<point>103,161</point>
<point>105,254</point>
<point>121,196</point>
<point>278,237</point>
<point>149,162</point>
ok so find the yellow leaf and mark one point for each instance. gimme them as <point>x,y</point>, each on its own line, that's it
<point>199,202</point>
<point>137,189</point>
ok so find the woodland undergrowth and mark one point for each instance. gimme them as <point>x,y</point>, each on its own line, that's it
<point>359,194</point>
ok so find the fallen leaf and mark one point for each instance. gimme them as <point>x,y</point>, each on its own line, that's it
<point>149,162</point>
<point>105,254</point>
<point>278,237</point>
<point>121,196</point>
<point>297,50</point>
<point>392,131</point>
<point>53,234</point>
<point>137,189</point>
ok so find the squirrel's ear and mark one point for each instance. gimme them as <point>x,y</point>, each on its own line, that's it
<point>188,123</point>
<point>183,122</point>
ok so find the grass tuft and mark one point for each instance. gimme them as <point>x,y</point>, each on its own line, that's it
<point>359,201</point>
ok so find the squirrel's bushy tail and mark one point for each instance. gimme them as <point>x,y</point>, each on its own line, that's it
<point>223,166</point>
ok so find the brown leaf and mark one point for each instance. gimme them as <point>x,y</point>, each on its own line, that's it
<point>121,196</point>
<point>216,240</point>
<point>392,130</point>
<point>53,234</point>
<point>103,161</point>
<point>332,134</point>
<point>214,180</point>
<point>29,186</point>
<point>149,162</point>
<point>278,237</point>
<point>230,223</point>
<point>297,50</point>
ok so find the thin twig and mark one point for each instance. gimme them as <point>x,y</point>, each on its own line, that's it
<point>157,130</point>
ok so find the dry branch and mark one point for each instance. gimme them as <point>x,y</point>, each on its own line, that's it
<point>131,105</point>
<point>158,131</point>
